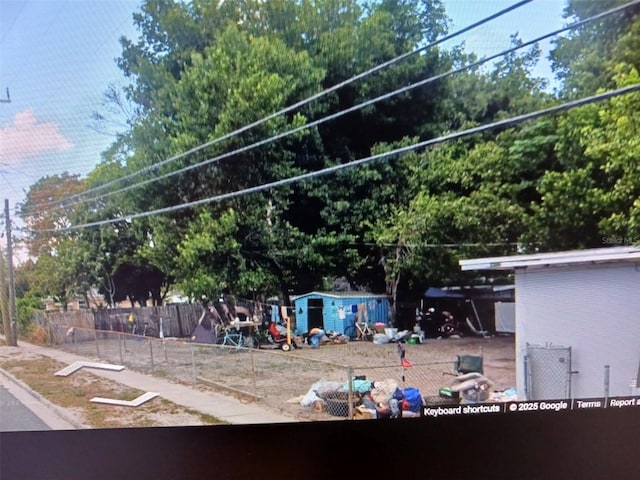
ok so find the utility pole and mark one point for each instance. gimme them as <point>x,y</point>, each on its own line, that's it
<point>8,308</point>
<point>4,305</point>
<point>6,100</point>
<point>12,337</point>
<point>4,300</point>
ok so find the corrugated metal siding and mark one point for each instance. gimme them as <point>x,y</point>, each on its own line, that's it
<point>302,320</point>
<point>377,311</point>
<point>330,315</point>
<point>594,310</point>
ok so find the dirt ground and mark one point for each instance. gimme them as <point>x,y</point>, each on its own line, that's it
<point>433,367</point>
<point>498,355</point>
<point>73,393</point>
<point>278,378</point>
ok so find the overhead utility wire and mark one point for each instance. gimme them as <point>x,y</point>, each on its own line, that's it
<point>348,110</point>
<point>298,104</point>
<point>393,153</point>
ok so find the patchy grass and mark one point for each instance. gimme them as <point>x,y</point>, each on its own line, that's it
<point>75,391</point>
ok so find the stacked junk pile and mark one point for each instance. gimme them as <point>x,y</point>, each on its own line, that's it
<point>364,399</point>
<point>377,399</point>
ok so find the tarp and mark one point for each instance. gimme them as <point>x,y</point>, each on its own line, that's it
<point>433,292</point>
<point>505,317</point>
<point>203,335</point>
<point>499,292</point>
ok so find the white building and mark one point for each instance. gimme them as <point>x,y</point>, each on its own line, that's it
<point>577,321</point>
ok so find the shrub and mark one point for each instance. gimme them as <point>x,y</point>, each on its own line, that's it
<point>26,308</point>
<point>37,334</point>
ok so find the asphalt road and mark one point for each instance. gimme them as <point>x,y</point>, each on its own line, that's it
<point>24,410</point>
<point>15,416</point>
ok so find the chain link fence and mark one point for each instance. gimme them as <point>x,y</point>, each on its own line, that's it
<point>306,384</point>
<point>548,372</point>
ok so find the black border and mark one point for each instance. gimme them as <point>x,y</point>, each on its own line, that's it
<point>602,443</point>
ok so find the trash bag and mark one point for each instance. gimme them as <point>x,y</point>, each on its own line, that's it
<point>310,398</point>
<point>202,335</point>
<point>359,386</point>
<point>398,394</point>
<point>401,336</point>
<point>312,395</point>
<point>412,399</point>
<point>380,339</point>
<point>326,389</point>
<point>383,390</point>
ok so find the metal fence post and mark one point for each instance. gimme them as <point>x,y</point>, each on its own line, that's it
<point>193,364</point>
<point>151,352</point>
<point>166,357</point>
<point>120,346</point>
<point>350,396</point>
<point>253,374</point>
<point>606,383</point>
<point>527,386</point>
<point>95,336</point>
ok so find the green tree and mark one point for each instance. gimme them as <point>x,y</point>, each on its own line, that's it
<point>591,195</point>
<point>41,211</point>
<point>468,198</point>
<point>251,60</point>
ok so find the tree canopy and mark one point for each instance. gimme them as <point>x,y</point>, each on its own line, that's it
<point>201,70</point>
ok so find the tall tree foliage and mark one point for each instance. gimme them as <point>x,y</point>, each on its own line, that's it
<point>255,58</point>
<point>468,198</point>
<point>590,198</point>
<point>202,69</point>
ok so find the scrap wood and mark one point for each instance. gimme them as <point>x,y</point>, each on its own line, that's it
<point>75,366</point>
<point>126,403</point>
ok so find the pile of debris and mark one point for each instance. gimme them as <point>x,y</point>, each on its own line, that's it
<point>377,399</point>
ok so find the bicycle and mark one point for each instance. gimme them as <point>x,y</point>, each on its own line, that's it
<point>361,331</point>
<point>233,338</point>
<point>147,330</point>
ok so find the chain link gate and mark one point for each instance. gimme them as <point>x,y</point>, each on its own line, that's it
<point>548,372</point>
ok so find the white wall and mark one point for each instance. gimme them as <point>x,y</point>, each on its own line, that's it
<point>595,309</point>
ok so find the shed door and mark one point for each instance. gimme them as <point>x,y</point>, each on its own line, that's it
<point>314,307</point>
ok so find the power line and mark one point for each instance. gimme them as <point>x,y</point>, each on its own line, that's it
<point>341,112</point>
<point>15,19</point>
<point>37,40</point>
<point>393,153</point>
<point>297,104</point>
<point>435,245</point>
<point>307,126</point>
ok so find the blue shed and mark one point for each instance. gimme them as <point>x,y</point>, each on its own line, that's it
<point>335,311</point>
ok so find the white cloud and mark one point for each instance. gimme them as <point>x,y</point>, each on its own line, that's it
<point>25,138</point>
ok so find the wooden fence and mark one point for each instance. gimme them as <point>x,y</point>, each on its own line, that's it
<point>178,320</point>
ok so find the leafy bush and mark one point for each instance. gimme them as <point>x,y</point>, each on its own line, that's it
<point>37,334</point>
<point>26,308</point>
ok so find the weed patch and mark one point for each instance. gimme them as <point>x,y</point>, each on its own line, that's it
<point>75,392</point>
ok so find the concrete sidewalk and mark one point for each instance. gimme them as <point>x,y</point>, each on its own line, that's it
<point>220,406</point>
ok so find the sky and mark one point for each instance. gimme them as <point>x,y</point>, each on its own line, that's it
<point>57,57</point>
